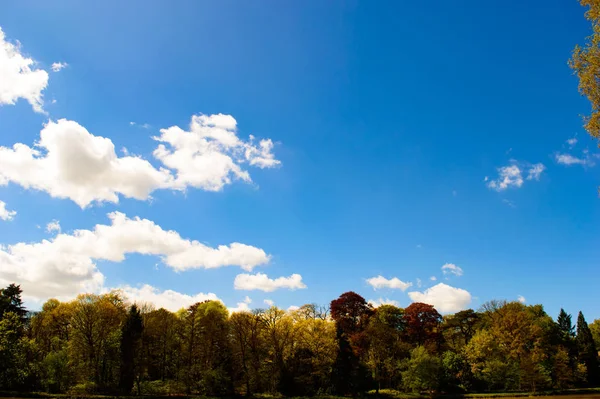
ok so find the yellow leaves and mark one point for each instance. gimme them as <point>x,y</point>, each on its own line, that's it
<point>585,63</point>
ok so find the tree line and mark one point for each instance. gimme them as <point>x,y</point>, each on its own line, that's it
<point>103,344</point>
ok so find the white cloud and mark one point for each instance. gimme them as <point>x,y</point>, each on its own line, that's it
<point>69,162</point>
<point>568,159</point>
<point>65,265</point>
<point>444,298</point>
<point>508,176</point>
<point>535,171</point>
<point>261,281</point>
<point>378,302</point>
<point>521,299</point>
<point>433,278</point>
<point>572,141</point>
<point>419,283</point>
<point>451,268</point>
<point>210,154</point>
<point>168,299</point>
<point>57,66</point>
<point>53,226</point>
<point>243,306</point>
<point>5,214</point>
<point>269,302</point>
<point>17,78</point>
<point>382,282</point>
<point>511,176</point>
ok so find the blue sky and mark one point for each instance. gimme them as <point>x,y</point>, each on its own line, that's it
<point>385,119</point>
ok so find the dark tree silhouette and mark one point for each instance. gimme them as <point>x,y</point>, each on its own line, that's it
<point>131,333</point>
<point>586,350</point>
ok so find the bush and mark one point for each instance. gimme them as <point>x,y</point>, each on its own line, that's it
<point>84,388</point>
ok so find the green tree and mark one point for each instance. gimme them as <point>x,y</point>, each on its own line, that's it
<point>13,361</point>
<point>595,329</point>
<point>131,334</point>
<point>586,349</point>
<point>421,371</point>
<point>386,347</point>
<point>10,301</point>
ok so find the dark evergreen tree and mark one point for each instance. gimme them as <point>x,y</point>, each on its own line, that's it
<point>586,349</point>
<point>131,333</point>
<point>10,301</point>
<point>566,328</point>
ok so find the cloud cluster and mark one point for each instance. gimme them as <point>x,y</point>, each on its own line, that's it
<point>65,265</point>
<point>262,282</point>
<point>511,176</point>
<point>70,162</point>
<point>19,78</point>
<point>5,214</point>
<point>210,154</point>
<point>443,297</point>
<point>393,283</point>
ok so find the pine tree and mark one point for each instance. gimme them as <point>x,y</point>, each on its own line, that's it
<point>586,349</point>
<point>10,301</point>
<point>131,333</point>
<point>565,326</point>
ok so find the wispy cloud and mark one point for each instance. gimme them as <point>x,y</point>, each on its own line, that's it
<point>569,160</point>
<point>451,268</point>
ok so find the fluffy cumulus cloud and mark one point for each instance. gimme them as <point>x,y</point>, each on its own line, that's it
<point>521,299</point>
<point>70,162</point>
<point>57,66</point>
<point>6,214</point>
<point>443,297</point>
<point>511,176</point>
<point>210,154</point>
<point>269,302</point>
<point>451,268</point>
<point>168,299</point>
<point>66,264</point>
<point>19,77</point>
<point>393,283</point>
<point>381,301</point>
<point>262,282</point>
<point>243,306</point>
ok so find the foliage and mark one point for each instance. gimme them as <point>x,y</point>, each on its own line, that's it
<point>585,62</point>
<point>421,371</point>
<point>587,353</point>
<point>99,344</point>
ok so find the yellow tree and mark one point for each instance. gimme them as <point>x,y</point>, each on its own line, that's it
<point>586,64</point>
<point>94,341</point>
